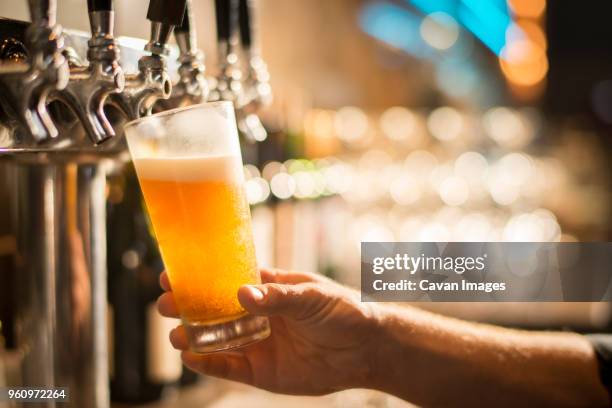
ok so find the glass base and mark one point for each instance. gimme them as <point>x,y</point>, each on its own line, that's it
<point>208,338</point>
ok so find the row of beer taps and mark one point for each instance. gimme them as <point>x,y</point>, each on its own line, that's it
<point>53,72</point>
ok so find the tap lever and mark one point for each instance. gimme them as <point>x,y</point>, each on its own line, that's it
<point>192,86</point>
<point>223,14</point>
<point>186,24</point>
<point>169,12</point>
<point>245,21</point>
<point>227,85</point>
<point>164,16</point>
<point>185,34</point>
<point>99,5</point>
<point>257,90</point>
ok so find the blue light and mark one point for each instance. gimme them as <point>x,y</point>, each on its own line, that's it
<point>395,26</point>
<point>487,20</point>
<point>431,6</point>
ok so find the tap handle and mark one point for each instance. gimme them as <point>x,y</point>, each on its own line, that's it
<point>225,15</point>
<point>245,23</point>
<point>185,26</point>
<point>168,12</point>
<point>164,16</point>
<point>102,21</point>
<point>99,5</point>
<point>43,12</point>
<point>185,33</point>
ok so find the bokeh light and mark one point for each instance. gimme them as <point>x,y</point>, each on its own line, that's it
<point>398,123</point>
<point>439,30</point>
<point>350,123</point>
<point>445,123</point>
<point>508,127</point>
<point>527,8</point>
<point>271,169</point>
<point>282,185</point>
<point>454,191</point>
<point>524,62</point>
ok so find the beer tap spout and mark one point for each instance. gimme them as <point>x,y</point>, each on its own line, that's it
<point>24,88</point>
<point>90,85</point>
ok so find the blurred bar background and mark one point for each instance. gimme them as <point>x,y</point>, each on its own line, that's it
<point>407,120</point>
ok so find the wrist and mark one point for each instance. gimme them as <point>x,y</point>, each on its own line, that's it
<point>386,354</point>
<point>404,361</point>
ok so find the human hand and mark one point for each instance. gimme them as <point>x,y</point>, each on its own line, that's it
<point>322,336</point>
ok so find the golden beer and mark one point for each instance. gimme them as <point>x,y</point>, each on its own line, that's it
<point>190,170</point>
<point>203,227</point>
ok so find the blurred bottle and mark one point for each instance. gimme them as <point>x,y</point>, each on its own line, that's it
<point>143,366</point>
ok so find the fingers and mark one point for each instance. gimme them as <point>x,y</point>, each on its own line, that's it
<point>167,306</point>
<point>164,282</point>
<point>288,277</point>
<point>178,338</point>
<point>294,301</point>
<point>234,366</point>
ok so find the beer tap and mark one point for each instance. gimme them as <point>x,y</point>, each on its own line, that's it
<point>256,88</point>
<point>192,86</point>
<point>90,85</point>
<point>227,86</point>
<point>24,88</point>
<point>151,83</point>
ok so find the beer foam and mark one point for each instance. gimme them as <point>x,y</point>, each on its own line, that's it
<point>190,169</point>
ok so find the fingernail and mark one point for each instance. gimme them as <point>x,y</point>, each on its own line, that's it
<point>256,293</point>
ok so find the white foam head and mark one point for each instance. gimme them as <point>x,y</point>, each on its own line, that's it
<point>196,131</point>
<point>226,169</point>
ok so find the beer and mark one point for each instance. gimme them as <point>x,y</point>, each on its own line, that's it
<point>203,227</point>
<point>189,167</point>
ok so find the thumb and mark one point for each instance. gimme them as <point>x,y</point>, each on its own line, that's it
<point>294,301</point>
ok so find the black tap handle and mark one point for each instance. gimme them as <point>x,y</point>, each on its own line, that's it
<point>99,5</point>
<point>167,11</point>
<point>225,11</point>
<point>245,22</point>
<point>186,24</point>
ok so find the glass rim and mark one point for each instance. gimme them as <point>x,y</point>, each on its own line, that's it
<point>143,119</point>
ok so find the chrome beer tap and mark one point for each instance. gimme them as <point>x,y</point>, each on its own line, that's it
<point>256,87</point>
<point>192,87</point>
<point>227,85</point>
<point>151,83</point>
<point>90,85</point>
<point>257,91</point>
<point>24,87</point>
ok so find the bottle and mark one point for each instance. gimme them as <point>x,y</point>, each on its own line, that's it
<point>143,365</point>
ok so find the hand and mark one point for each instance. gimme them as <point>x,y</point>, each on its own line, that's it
<point>322,336</point>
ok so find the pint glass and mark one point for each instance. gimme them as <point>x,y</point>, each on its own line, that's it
<point>189,167</point>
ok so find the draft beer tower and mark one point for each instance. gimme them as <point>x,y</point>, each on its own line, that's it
<point>61,119</point>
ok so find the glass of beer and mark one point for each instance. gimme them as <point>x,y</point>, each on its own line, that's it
<point>190,170</point>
